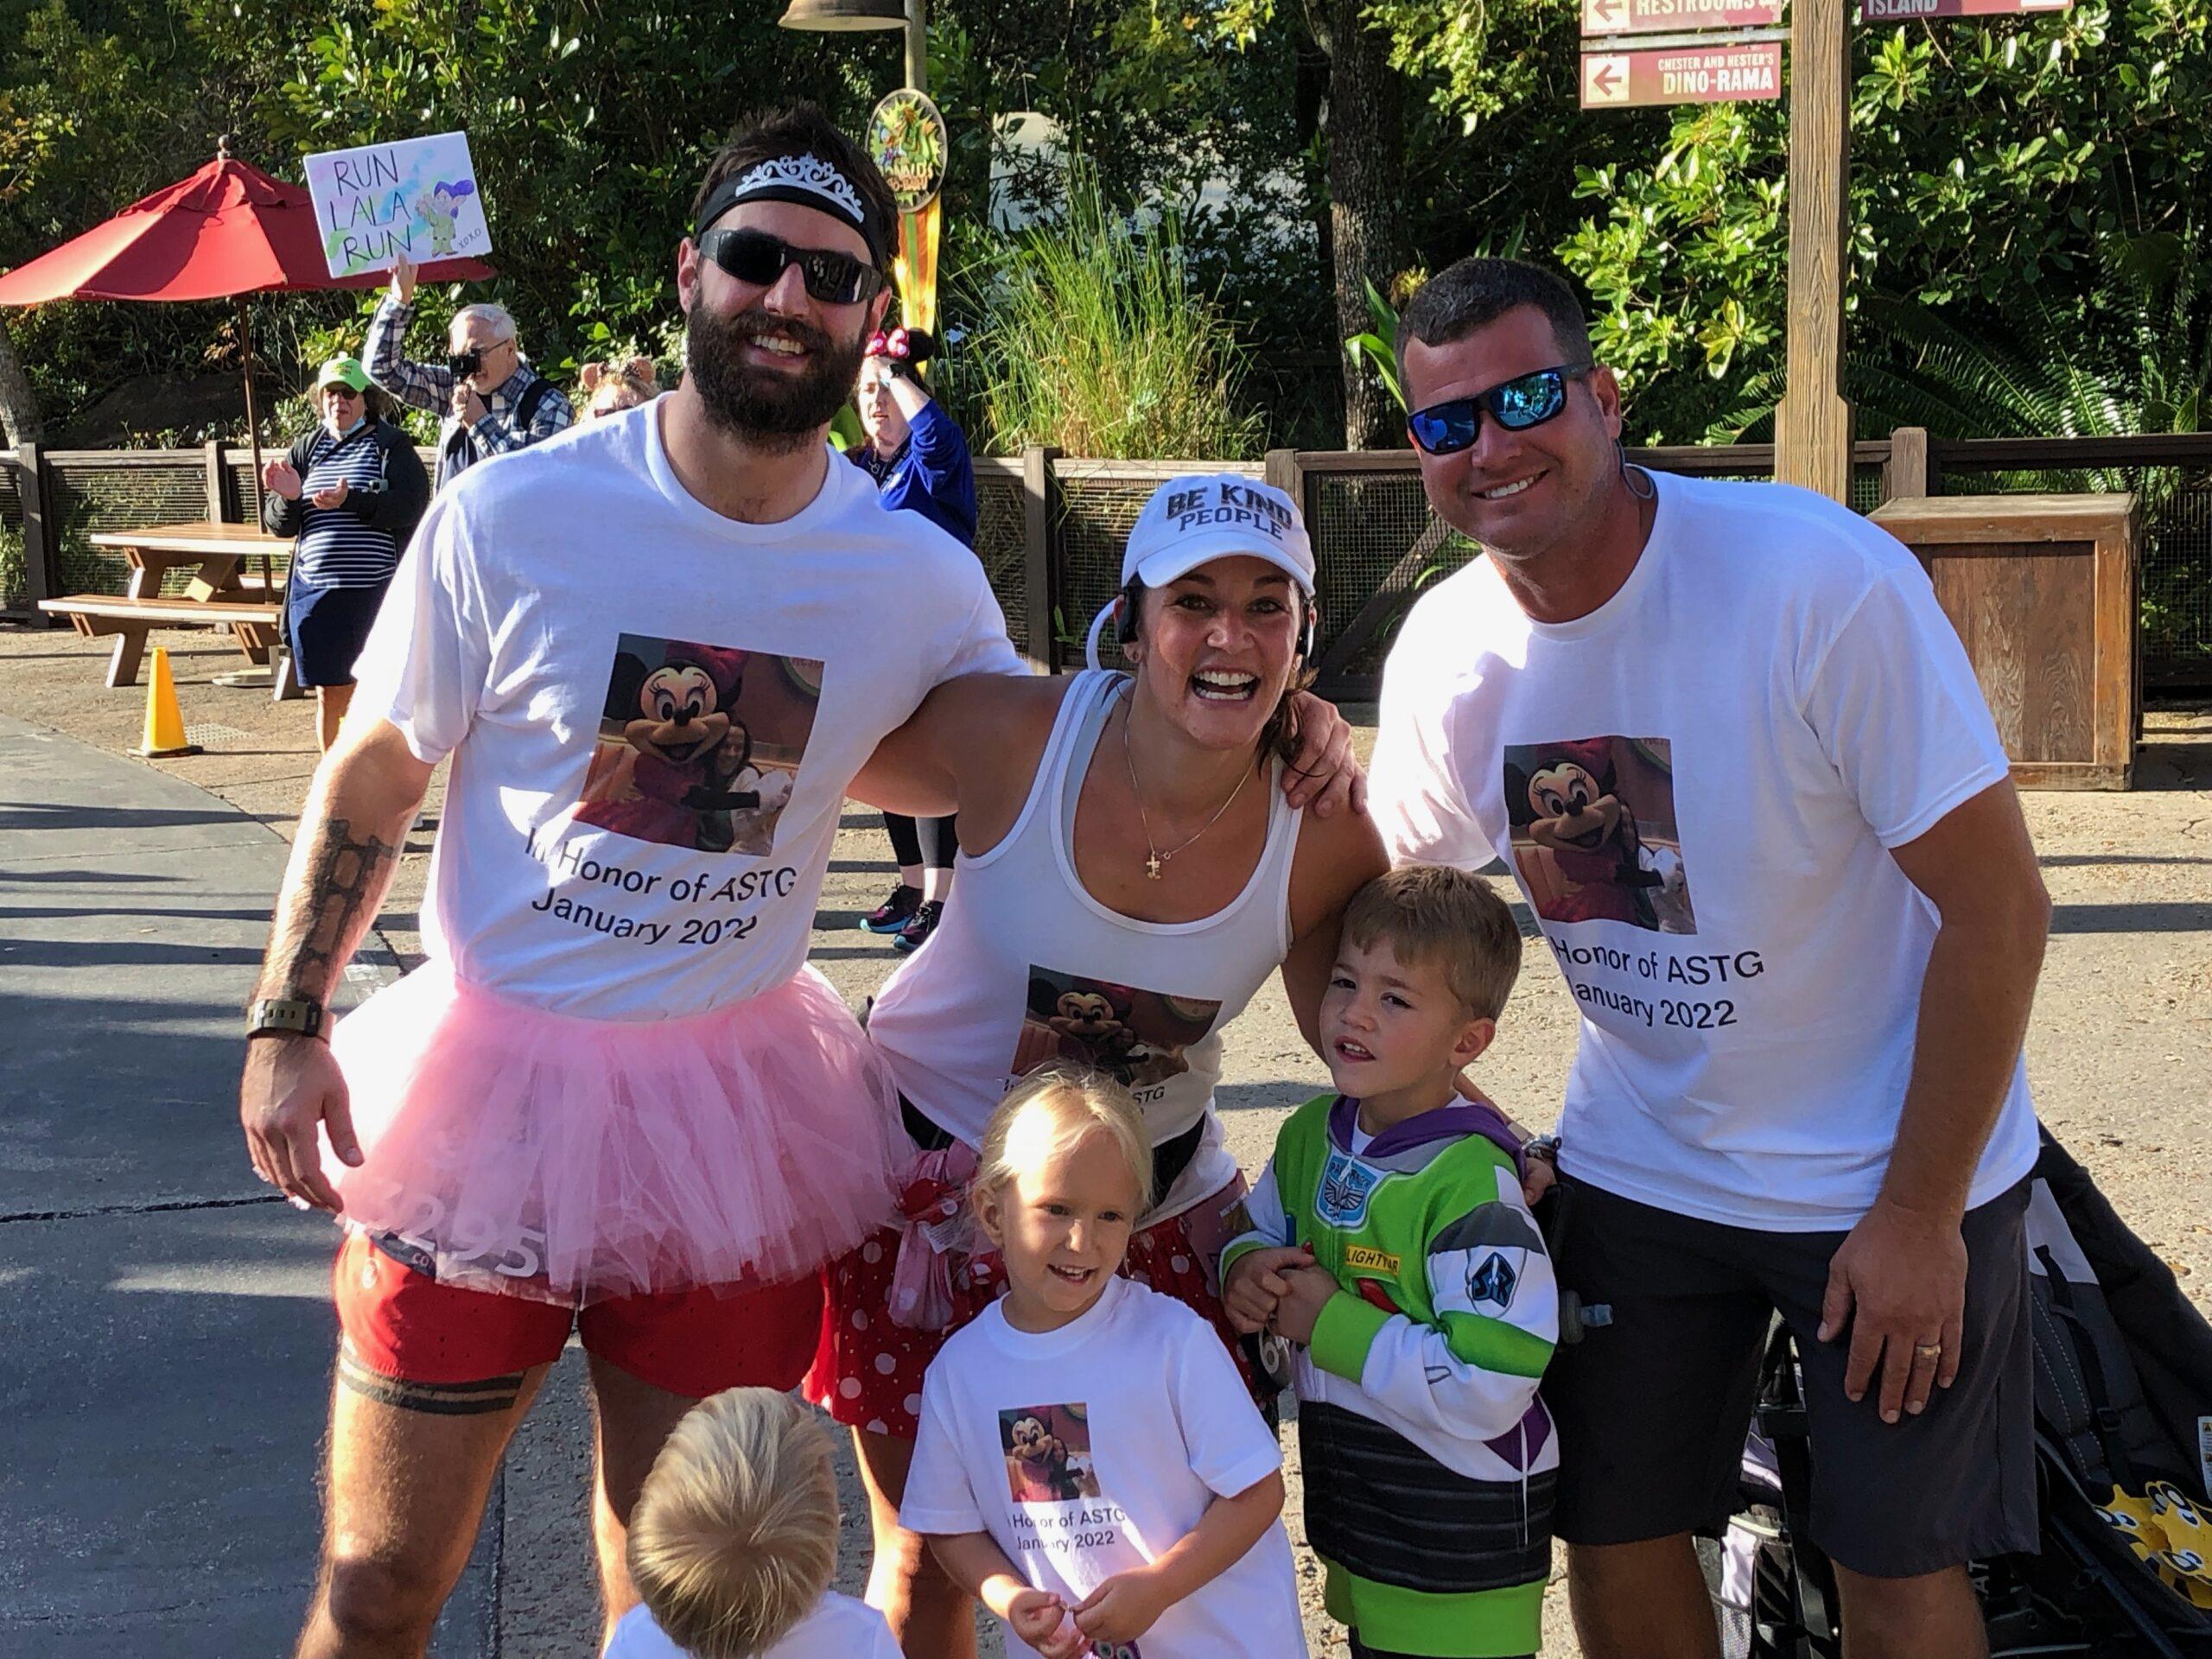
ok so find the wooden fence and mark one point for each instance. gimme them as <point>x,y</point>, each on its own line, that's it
<point>1052,526</point>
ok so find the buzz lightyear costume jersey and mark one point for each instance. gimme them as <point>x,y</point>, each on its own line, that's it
<point>1429,1460</point>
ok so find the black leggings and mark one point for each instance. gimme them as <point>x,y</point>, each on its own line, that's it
<point>932,842</point>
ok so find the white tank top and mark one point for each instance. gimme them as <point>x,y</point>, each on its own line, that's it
<point>1026,967</point>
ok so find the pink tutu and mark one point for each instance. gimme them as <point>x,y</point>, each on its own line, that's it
<point>572,1159</point>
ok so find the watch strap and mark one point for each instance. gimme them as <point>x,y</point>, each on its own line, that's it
<point>294,1015</point>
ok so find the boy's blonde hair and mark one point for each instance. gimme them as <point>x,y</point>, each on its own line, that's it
<point>1432,915</point>
<point>1049,1111</point>
<point>735,1537</point>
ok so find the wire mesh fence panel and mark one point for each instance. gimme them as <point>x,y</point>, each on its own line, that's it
<point>1002,542</point>
<point>2175,585</point>
<point>245,491</point>
<point>90,492</point>
<point>14,579</point>
<point>1375,540</point>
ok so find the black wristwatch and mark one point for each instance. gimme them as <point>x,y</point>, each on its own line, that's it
<point>285,1016</point>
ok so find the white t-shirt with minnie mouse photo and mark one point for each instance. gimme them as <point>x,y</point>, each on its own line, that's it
<point>1094,1449</point>
<point>653,712</point>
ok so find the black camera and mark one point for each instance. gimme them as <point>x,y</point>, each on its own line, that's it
<point>464,364</point>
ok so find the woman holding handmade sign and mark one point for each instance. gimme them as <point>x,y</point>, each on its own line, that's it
<point>1132,875</point>
<point>350,491</point>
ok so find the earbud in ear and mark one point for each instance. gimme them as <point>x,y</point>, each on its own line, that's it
<point>1125,619</point>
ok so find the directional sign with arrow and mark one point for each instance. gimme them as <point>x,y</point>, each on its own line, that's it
<point>1605,80</point>
<point>1695,74</point>
<point>1607,17</point>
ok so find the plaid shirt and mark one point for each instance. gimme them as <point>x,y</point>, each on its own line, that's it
<point>429,385</point>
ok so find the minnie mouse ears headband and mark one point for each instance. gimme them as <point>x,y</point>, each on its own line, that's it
<point>901,345</point>
<point>807,180</point>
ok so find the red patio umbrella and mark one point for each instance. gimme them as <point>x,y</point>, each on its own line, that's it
<point>228,230</point>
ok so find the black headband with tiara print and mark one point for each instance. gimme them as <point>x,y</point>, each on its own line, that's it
<point>807,180</point>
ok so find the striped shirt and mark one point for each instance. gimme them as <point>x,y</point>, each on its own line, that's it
<point>335,548</point>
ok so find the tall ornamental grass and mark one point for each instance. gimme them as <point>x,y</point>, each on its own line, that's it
<point>1093,339</point>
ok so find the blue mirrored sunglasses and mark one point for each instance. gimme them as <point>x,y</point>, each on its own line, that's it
<point>1517,405</point>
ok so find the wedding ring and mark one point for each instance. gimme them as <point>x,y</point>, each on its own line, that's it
<point>1927,1351</point>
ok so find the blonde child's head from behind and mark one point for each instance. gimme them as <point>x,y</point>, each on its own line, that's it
<point>733,1539</point>
<point>1064,1175</point>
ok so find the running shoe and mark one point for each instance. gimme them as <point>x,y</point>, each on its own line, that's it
<point>916,933</point>
<point>894,913</point>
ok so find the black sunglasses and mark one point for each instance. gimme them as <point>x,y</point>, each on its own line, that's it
<point>1516,404</point>
<point>757,257</point>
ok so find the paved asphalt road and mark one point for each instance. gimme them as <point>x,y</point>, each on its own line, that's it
<point>165,1327</point>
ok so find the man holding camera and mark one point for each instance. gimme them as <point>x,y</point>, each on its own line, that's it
<point>492,401</point>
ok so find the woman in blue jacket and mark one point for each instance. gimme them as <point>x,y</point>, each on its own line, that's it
<point>918,457</point>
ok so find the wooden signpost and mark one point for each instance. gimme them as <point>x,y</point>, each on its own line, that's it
<point>1812,424</point>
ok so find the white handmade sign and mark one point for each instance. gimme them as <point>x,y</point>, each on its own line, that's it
<point>417,199</point>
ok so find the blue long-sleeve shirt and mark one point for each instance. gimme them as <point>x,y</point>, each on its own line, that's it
<point>931,474</point>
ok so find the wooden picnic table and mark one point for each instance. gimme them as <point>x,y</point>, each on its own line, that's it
<point>219,595</point>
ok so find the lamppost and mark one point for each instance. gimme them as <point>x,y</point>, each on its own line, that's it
<point>907,138</point>
<point>841,16</point>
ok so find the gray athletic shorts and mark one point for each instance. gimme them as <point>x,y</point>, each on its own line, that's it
<point>1653,1408</point>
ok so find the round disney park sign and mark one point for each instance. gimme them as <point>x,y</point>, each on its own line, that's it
<point>907,139</point>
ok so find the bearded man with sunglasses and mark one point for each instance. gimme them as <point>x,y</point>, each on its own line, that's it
<point>613,1099</point>
<point>1733,751</point>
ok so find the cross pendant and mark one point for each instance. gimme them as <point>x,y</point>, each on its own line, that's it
<point>1152,865</point>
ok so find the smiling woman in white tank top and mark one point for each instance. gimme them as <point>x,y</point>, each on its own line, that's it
<point>1130,874</point>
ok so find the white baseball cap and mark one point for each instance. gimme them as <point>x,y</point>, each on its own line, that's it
<point>1193,520</point>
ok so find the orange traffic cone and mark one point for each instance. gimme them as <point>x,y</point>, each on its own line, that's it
<point>164,734</point>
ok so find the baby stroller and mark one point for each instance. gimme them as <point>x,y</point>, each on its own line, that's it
<point>2123,1453</point>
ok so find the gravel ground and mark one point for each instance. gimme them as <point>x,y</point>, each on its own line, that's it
<point>2118,1048</point>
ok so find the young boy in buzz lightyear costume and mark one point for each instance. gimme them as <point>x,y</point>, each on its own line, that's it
<point>1389,1241</point>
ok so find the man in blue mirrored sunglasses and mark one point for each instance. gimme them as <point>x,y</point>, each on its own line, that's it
<point>1733,751</point>
<point>1524,401</point>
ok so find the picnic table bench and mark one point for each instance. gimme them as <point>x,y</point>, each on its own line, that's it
<point>222,593</point>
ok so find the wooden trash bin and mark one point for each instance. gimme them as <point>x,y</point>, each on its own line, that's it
<point>2042,590</point>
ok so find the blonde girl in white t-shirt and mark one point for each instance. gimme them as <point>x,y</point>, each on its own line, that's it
<point>733,1541</point>
<point>1090,1463</point>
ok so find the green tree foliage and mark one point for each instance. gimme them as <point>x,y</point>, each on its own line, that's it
<point>1992,161</point>
<point>590,123</point>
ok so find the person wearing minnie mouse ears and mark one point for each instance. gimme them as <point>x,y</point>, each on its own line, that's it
<point>918,456</point>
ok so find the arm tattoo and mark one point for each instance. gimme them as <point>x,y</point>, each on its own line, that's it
<point>320,920</point>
